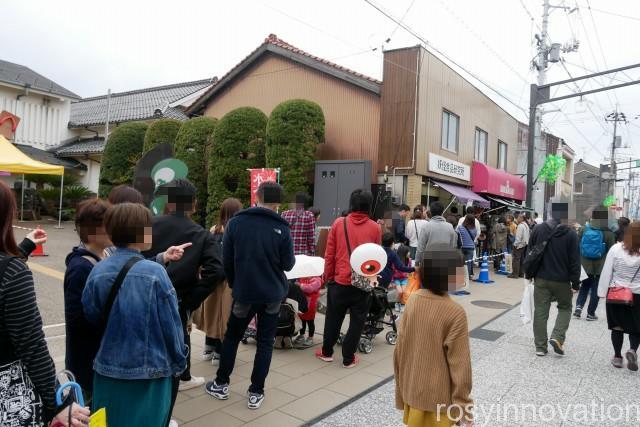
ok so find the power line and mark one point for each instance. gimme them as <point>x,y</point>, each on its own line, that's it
<point>426,44</point>
<point>404,15</point>
<point>619,15</point>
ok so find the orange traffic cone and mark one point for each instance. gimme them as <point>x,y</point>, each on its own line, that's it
<point>39,251</point>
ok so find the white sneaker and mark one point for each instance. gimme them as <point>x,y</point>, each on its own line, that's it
<point>192,383</point>
<point>173,423</point>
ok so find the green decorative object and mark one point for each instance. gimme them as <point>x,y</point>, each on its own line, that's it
<point>168,170</point>
<point>554,167</point>
<point>609,201</point>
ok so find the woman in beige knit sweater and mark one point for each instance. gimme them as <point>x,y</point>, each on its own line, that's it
<point>432,361</point>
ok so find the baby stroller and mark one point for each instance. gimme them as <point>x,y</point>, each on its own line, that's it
<point>379,308</point>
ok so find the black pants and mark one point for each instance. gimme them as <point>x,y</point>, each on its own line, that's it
<point>339,300</point>
<point>312,327</point>
<point>241,315</point>
<point>186,375</point>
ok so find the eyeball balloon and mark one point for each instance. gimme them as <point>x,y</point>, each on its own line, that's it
<point>368,260</point>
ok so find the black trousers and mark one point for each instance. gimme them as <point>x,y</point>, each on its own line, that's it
<point>186,375</point>
<point>341,299</point>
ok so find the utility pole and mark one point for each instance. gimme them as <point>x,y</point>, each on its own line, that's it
<point>614,117</point>
<point>106,122</point>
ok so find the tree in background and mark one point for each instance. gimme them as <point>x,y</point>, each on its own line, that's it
<point>160,132</point>
<point>238,145</point>
<point>295,128</point>
<point>121,154</point>
<point>193,143</point>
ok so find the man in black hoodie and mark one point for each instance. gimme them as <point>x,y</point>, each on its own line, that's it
<point>258,249</point>
<point>558,274</point>
<point>198,272</point>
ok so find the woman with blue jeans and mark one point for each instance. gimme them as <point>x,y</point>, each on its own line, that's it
<point>468,233</point>
<point>142,345</point>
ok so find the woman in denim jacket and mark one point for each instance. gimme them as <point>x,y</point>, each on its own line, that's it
<point>142,345</point>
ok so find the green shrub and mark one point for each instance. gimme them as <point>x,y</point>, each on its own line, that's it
<point>74,194</point>
<point>50,194</point>
<point>160,132</point>
<point>70,178</point>
<point>238,145</point>
<point>123,150</point>
<point>295,128</point>
<point>192,147</point>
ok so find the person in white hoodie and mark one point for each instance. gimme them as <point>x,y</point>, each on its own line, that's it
<point>622,269</point>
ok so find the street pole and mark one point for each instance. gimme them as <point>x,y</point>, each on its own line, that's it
<point>613,156</point>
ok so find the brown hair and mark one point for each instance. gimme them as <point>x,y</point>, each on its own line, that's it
<point>228,209</point>
<point>437,265</point>
<point>7,211</point>
<point>125,194</point>
<point>126,223</point>
<point>631,242</point>
<point>469,221</point>
<point>89,216</point>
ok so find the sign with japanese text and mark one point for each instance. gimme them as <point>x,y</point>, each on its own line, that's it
<point>258,176</point>
<point>448,167</point>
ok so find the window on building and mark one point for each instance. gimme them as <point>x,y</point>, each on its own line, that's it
<point>577,188</point>
<point>481,146</point>
<point>450,126</point>
<point>502,155</point>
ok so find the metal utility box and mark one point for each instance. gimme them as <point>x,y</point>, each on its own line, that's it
<point>334,182</point>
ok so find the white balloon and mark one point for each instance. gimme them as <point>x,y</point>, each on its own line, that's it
<point>368,259</point>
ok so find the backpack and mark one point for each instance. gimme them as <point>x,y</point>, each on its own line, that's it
<point>533,259</point>
<point>592,244</point>
<point>286,320</point>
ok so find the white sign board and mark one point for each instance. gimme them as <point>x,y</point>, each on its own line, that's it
<point>448,167</point>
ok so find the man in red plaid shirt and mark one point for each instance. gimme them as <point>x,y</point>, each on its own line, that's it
<point>302,224</point>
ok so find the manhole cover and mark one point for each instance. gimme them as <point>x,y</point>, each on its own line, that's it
<point>485,334</point>
<point>497,305</point>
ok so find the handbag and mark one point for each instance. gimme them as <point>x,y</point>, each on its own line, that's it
<point>357,281</point>
<point>21,405</point>
<point>621,295</point>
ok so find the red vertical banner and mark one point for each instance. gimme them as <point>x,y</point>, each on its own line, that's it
<point>258,176</point>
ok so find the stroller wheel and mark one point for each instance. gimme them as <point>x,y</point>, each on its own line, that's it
<point>365,346</point>
<point>391,337</point>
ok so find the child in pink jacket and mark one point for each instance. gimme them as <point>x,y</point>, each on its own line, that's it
<point>311,288</point>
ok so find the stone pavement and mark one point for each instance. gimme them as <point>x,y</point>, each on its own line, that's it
<point>300,389</point>
<point>580,389</point>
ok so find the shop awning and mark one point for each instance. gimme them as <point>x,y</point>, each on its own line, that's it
<point>464,195</point>
<point>510,204</point>
<point>489,180</point>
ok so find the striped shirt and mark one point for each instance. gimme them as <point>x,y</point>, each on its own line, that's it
<point>619,270</point>
<point>21,335</point>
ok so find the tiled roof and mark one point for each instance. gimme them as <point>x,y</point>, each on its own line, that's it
<point>19,75</point>
<point>142,104</point>
<point>81,147</point>
<point>279,47</point>
<point>49,157</point>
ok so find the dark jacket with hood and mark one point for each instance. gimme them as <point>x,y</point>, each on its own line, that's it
<point>258,250</point>
<point>561,260</point>
<point>200,269</point>
<point>82,338</point>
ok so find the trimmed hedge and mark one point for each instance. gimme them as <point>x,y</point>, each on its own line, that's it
<point>193,143</point>
<point>123,150</point>
<point>160,132</point>
<point>238,145</point>
<point>295,128</point>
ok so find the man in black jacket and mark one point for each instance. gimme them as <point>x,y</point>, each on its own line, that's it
<point>258,249</point>
<point>558,274</point>
<point>200,269</point>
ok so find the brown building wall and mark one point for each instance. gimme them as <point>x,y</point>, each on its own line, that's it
<point>352,115</point>
<point>397,108</point>
<point>441,88</point>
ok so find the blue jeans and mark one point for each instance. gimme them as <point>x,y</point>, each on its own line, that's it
<point>468,256</point>
<point>589,287</point>
<point>241,315</point>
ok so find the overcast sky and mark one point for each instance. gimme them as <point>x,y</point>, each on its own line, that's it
<point>88,47</point>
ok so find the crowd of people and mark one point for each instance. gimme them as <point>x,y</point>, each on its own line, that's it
<point>135,284</point>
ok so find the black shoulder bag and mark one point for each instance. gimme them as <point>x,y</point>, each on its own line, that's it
<point>533,260</point>
<point>115,288</point>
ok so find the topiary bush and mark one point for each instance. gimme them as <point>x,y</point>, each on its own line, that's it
<point>160,132</point>
<point>238,145</point>
<point>192,147</point>
<point>295,128</point>
<point>123,150</point>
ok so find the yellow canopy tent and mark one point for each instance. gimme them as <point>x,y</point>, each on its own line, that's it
<point>15,161</point>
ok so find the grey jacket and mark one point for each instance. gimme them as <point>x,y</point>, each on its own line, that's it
<point>436,232</point>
